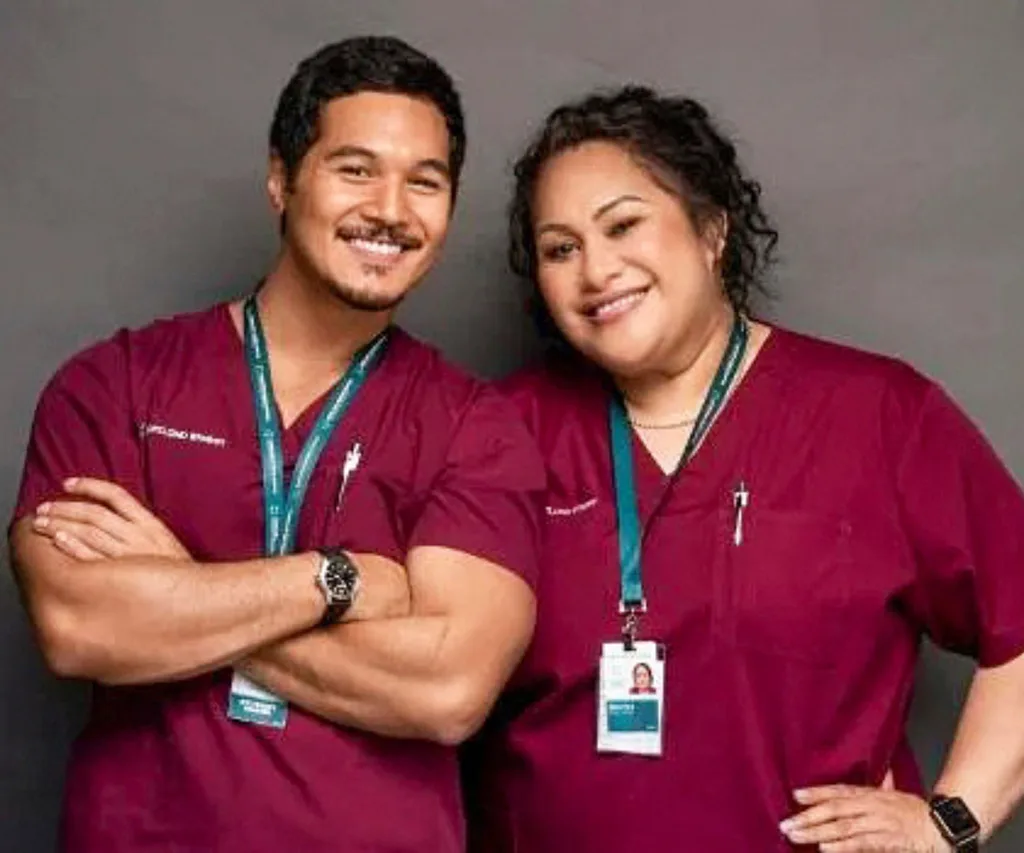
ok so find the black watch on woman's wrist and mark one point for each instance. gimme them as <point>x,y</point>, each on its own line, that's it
<point>956,823</point>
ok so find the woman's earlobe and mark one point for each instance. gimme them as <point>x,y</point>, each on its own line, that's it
<point>277,184</point>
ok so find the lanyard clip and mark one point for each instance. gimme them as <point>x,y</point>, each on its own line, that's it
<point>631,613</point>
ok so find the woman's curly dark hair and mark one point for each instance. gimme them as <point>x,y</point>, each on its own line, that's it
<point>676,140</point>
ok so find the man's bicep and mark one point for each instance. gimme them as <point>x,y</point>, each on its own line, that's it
<point>488,499</point>
<point>36,561</point>
<point>38,569</point>
<point>493,605</point>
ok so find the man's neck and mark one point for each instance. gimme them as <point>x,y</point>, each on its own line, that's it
<point>305,323</point>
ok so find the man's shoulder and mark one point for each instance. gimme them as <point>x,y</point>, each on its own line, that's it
<point>425,376</point>
<point>130,355</point>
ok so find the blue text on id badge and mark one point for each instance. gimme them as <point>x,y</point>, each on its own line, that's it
<point>630,698</point>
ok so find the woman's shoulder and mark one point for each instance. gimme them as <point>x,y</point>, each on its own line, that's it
<point>813,362</point>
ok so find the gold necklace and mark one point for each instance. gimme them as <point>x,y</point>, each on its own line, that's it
<point>674,425</point>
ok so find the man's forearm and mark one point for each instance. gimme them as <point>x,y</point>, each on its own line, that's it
<point>139,619</point>
<point>986,763</point>
<point>395,677</point>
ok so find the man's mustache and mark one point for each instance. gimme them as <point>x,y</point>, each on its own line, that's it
<point>381,233</point>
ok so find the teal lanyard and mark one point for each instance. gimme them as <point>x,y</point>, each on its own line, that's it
<point>280,510</point>
<point>632,599</point>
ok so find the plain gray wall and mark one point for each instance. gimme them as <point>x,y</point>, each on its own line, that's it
<point>888,136</point>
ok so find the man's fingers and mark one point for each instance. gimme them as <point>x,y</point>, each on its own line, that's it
<point>98,542</point>
<point>97,515</point>
<point>111,494</point>
<point>75,548</point>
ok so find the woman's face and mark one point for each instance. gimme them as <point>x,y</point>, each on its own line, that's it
<point>641,678</point>
<point>624,273</point>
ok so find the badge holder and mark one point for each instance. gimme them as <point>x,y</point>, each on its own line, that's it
<point>250,703</point>
<point>631,690</point>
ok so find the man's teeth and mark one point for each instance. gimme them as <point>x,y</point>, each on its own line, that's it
<point>376,247</point>
<point>617,305</point>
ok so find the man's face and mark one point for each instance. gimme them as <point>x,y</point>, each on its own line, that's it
<point>368,208</point>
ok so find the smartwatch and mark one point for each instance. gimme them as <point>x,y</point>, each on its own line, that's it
<point>338,580</point>
<point>956,822</point>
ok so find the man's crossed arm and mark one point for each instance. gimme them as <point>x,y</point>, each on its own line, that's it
<point>115,598</point>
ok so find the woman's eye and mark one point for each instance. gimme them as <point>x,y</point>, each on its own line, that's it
<point>623,226</point>
<point>352,170</point>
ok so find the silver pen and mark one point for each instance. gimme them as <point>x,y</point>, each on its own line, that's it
<point>740,501</point>
<point>352,460</point>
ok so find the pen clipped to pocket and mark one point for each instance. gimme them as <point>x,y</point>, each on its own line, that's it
<point>353,458</point>
<point>740,502</point>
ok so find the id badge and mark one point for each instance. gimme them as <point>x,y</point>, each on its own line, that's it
<point>250,703</point>
<point>630,699</point>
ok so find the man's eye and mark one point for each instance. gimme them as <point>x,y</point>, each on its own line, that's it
<point>557,251</point>
<point>431,184</point>
<point>352,170</point>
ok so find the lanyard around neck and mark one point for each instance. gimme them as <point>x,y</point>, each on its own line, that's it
<point>280,509</point>
<point>632,598</point>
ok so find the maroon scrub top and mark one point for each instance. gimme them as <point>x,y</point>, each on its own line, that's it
<point>167,412</point>
<point>877,513</point>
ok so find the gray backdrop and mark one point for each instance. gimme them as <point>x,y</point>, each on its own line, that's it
<point>888,136</point>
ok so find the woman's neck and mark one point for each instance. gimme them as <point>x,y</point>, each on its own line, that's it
<point>673,392</point>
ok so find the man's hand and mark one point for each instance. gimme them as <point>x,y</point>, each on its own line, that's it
<point>849,819</point>
<point>100,520</point>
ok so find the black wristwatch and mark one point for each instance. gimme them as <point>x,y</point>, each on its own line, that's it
<point>956,823</point>
<point>338,579</point>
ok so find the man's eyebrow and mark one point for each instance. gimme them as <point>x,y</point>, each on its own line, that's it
<point>350,151</point>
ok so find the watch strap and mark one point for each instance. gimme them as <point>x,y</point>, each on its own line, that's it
<point>970,844</point>
<point>338,579</point>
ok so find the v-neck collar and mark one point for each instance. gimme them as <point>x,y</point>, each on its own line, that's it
<point>650,473</point>
<point>294,435</point>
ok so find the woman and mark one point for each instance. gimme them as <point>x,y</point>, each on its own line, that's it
<point>770,520</point>
<point>643,680</point>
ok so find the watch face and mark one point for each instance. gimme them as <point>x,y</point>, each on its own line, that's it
<point>957,818</point>
<point>340,580</point>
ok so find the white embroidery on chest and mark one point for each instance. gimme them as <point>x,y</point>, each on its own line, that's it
<point>561,511</point>
<point>175,434</point>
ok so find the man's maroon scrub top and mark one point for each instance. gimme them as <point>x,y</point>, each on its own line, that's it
<point>167,412</point>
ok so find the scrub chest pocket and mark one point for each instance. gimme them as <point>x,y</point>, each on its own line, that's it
<point>783,588</point>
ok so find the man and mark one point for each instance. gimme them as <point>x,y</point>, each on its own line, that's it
<point>290,545</point>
